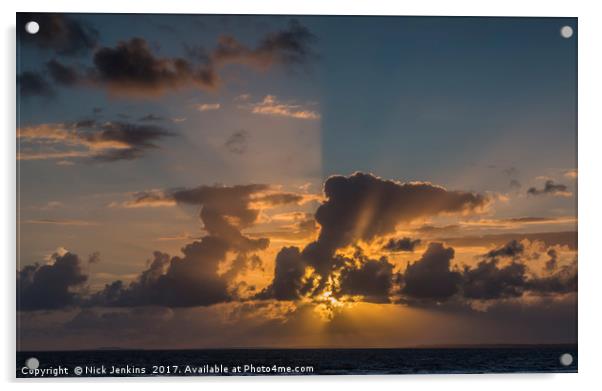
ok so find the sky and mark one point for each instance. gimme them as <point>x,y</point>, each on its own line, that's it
<point>295,181</point>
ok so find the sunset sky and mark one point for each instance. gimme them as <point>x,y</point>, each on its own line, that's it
<point>192,181</point>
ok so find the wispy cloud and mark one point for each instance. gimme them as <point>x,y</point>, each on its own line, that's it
<point>208,106</point>
<point>147,199</point>
<point>106,141</point>
<point>270,105</point>
<point>571,173</point>
<point>60,222</point>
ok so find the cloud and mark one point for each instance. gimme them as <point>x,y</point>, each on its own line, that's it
<point>208,106</point>
<point>551,188</point>
<point>288,276</point>
<point>403,244</point>
<point>489,281</point>
<point>563,238</point>
<point>271,106</point>
<point>151,118</point>
<point>552,263</point>
<point>62,34</point>
<point>107,141</point>
<point>193,279</point>
<point>190,280</point>
<point>238,142</point>
<point>290,46</point>
<point>32,83</point>
<point>571,173</point>
<point>431,277</point>
<point>512,249</point>
<point>148,199</point>
<point>560,282</point>
<point>94,257</point>
<point>62,74</point>
<point>372,279</point>
<point>59,222</point>
<point>132,69</point>
<point>50,286</point>
<point>364,207</point>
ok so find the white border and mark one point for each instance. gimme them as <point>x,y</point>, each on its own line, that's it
<point>589,32</point>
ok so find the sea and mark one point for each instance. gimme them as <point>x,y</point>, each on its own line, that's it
<point>295,362</point>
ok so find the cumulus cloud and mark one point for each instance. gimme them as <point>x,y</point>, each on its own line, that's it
<point>107,141</point>
<point>564,280</point>
<point>370,278</point>
<point>550,188</point>
<point>194,279</point>
<point>65,35</point>
<point>357,210</point>
<point>50,286</point>
<point>431,277</point>
<point>490,281</point>
<point>365,207</point>
<point>132,67</point>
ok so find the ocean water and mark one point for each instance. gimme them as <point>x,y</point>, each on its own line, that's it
<point>269,362</point>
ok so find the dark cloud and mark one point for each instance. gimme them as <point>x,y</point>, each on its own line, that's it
<point>562,281</point>
<point>65,35</point>
<point>226,211</point>
<point>94,257</point>
<point>32,84</point>
<point>490,281</point>
<point>151,117</point>
<point>403,244</point>
<point>62,74</point>
<point>291,46</point>
<point>563,238</point>
<point>105,141</point>
<point>133,139</point>
<point>288,276</point>
<point>372,279</point>
<point>47,287</point>
<point>364,207</point>
<point>132,68</point>
<point>190,280</point>
<point>431,277</point>
<point>193,280</point>
<point>238,142</point>
<point>512,249</point>
<point>550,188</point>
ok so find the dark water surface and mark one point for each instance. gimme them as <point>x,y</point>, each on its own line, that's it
<point>270,362</point>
